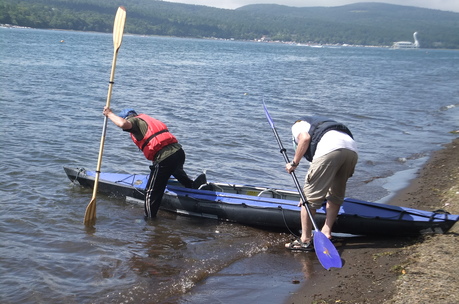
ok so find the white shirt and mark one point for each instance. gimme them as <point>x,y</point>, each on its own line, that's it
<point>330,141</point>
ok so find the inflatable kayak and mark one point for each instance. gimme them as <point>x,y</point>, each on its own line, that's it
<point>269,208</point>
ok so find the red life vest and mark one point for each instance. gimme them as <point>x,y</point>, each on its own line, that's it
<point>156,138</point>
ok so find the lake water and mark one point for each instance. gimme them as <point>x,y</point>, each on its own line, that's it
<point>400,105</point>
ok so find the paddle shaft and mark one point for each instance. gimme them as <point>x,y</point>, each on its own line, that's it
<point>118,29</point>
<point>295,179</point>
<point>104,129</point>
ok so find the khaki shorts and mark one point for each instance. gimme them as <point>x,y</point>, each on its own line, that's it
<point>327,177</point>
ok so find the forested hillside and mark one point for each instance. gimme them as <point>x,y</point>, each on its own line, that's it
<point>359,24</point>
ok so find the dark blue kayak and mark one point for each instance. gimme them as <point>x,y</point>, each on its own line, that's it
<point>269,208</point>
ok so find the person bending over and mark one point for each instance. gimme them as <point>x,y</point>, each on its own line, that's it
<point>332,151</point>
<point>153,138</point>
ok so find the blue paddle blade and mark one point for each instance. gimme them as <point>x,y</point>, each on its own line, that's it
<point>270,120</point>
<point>326,251</point>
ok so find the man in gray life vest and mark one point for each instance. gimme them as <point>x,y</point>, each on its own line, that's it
<point>332,151</point>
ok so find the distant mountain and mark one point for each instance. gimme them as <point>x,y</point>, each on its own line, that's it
<point>385,22</point>
<point>360,24</point>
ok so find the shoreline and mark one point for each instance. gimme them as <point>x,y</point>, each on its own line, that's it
<point>400,270</point>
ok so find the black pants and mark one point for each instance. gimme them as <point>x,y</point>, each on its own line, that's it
<point>159,175</point>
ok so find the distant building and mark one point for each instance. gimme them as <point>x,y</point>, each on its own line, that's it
<point>265,38</point>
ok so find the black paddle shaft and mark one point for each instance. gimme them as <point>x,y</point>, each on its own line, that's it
<point>295,179</point>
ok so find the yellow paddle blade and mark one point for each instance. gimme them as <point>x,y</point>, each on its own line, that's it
<point>90,214</point>
<point>118,27</point>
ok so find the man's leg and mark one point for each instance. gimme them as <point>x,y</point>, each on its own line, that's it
<point>332,214</point>
<point>159,176</point>
<point>346,165</point>
<point>151,195</point>
<point>179,173</point>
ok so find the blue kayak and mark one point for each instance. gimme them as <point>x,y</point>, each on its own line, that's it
<point>269,208</point>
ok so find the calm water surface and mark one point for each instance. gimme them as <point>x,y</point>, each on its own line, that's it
<point>400,105</point>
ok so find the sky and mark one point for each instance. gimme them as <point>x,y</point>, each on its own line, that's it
<point>444,5</point>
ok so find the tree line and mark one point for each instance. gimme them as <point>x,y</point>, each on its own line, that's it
<point>359,24</point>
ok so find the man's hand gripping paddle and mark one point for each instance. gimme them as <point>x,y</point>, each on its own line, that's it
<point>324,248</point>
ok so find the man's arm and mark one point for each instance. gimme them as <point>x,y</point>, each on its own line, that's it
<point>119,121</point>
<point>303,143</point>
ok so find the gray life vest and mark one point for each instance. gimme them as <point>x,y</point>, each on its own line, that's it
<point>319,126</point>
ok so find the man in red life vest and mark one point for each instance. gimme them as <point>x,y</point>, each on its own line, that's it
<point>162,148</point>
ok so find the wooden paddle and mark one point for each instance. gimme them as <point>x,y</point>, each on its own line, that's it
<point>118,29</point>
<point>324,248</point>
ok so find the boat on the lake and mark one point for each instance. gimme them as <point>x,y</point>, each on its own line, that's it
<point>407,44</point>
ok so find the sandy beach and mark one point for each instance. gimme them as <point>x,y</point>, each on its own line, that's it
<point>400,270</point>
